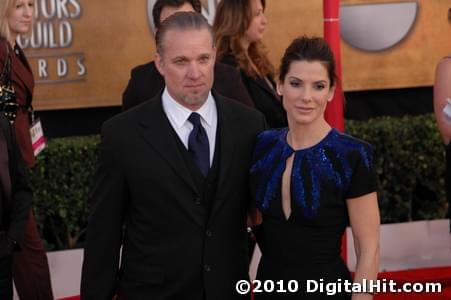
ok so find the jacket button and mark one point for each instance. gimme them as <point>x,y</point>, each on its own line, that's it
<point>208,233</point>
<point>197,201</point>
<point>207,268</point>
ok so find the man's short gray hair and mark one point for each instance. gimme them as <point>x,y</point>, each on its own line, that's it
<point>182,21</point>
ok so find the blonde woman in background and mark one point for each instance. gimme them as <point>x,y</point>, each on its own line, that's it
<point>30,268</point>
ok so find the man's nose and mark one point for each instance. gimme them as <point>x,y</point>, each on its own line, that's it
<point>194,71</point>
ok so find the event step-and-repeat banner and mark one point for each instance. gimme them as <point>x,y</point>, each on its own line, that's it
<point>82,51</point>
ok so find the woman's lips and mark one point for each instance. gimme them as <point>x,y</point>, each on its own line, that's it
<point>304,109</point>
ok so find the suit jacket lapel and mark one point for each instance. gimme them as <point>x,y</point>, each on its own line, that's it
<point>156,130</point>
<point>227,127</point>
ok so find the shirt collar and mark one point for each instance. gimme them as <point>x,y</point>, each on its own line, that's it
<point>180,114</point>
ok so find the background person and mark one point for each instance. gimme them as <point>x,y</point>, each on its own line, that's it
<point>442,92</point>
<point>309,181</point>
<point>30,267</point>
<point>239,27</point>
<point>15,203</point>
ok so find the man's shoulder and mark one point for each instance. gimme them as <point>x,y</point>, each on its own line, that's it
<point>132,116</point>
<point>148,69</point>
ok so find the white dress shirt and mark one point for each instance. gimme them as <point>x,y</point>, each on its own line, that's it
<point>178,117</point>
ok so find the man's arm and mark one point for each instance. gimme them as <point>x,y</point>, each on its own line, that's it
<point>144,84</point>
<point>104,235</point>
<point>130,95</point>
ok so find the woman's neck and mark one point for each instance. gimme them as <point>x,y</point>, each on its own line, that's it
<point>305,136</point>
<point>245,44</point>
<point>12,39</point>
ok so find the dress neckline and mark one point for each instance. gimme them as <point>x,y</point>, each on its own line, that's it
<point>331,132</point>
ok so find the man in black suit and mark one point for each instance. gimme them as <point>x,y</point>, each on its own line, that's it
<point>146,82</point>
<point>172,183</point>
<point>15,202</point>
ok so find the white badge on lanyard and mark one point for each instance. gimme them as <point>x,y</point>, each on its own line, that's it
<point>37,135</point>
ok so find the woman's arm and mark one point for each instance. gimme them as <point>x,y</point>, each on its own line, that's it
<point>442,91</point>
<point>365,222</point>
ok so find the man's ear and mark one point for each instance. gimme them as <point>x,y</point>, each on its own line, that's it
<point>159,63</point>
<point>214,54</point>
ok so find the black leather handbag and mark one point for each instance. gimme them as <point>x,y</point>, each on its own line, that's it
<point>8,102</point>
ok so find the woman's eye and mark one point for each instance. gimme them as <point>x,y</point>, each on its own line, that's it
<point>294,83</point>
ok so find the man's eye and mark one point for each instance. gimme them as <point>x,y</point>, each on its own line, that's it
<point>204,60</point>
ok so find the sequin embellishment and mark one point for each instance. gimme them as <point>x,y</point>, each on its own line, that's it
<point>272,151</point>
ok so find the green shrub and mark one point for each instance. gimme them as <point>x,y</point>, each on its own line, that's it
<point>61,182</point>
<point>410,163</point>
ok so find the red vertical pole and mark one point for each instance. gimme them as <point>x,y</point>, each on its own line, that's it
<point>334,111</point>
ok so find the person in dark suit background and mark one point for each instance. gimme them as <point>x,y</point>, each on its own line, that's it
<point>15,203</point>
<point>172,183</point>
<point>239,26</point>
<point>30,266</point>
<point>146,82</point>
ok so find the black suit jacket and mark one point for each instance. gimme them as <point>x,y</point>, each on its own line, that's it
<point>264,96</point>
<point>142,182</point>
<point>146,82</point>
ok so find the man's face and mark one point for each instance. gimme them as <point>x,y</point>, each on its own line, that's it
<point>186,63</point>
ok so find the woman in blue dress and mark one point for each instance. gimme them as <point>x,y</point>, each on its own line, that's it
<point>309,182</point>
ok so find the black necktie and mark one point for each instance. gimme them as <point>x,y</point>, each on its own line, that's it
<point>198,144</point>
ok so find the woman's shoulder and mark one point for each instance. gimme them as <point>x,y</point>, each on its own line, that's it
<point>444,66</point>
<point>352,141</point>
<point>269,138</point>
<point>349,145</point>
<point>272,134</point>
<point>229,59</point>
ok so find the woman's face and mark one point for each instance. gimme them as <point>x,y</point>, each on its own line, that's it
<point>306,90</point>
<point>20,17</point>
<point>254,32</point>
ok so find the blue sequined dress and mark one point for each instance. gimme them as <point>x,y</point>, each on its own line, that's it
<point>306,246</point>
